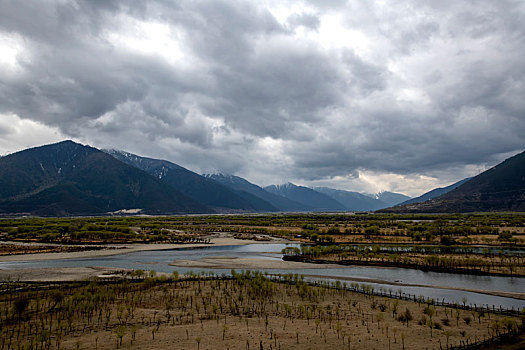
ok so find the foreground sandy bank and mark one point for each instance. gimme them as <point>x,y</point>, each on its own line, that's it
<point>231,314</point>
<point>59,274</point>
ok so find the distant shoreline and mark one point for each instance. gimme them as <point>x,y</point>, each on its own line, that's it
<point>125,248</point>
<point>386,264</point>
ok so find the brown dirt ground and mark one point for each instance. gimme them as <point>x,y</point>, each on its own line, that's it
<point>356,320</point>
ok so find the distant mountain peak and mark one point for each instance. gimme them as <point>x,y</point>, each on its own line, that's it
<point>218,174</point>
<point>287,185</point>
<point>67,178</point>
<point>316,200</point>
<point>223,177</point>
<point>353,201</point>
<point>161,167</point>
<point>202,188</point>
<point>380,192</point>
<point>114,151</point>
<point>389,198</point>
<point>244,186</point>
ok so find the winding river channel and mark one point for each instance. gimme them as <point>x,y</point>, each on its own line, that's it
<point>450,287</point>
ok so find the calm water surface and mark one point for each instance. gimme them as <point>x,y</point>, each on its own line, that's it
<point>159,260</point>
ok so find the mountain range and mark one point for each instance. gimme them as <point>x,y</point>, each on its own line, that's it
<point>501,188</point>
<point>68,178</point>
<point>199,188</point>
<point>354,201</point>
<point>237,183</point>
<point>390,198</point>
<point>435,193</point>
<point>306,196</point>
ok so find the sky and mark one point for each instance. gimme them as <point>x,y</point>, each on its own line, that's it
<point>357,95</point>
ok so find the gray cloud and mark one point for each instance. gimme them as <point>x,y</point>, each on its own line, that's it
<point>412,89</point>
<point>304,19</point>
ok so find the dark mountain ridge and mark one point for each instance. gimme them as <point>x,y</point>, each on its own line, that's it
<point>501,188</point>
<point>68,178</point>
<point>306,196</point>
<point>244,187</point>
<point>435,192</point>
<point>353,201</point>
<point>390,198</point>
<point>193,185</point>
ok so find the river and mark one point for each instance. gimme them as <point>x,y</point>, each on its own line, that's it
<point>430,284</point>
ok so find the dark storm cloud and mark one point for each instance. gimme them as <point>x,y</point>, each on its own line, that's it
<point>70,73</point>
<point>257,89</point>
<point>406,88</point>
<point>277,88</point>
<point>364,77</point>
<point>473,95</point>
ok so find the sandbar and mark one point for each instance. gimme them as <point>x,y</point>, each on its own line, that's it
<point>219,262</point>
<point>223,239</point>
<point>59,274</point>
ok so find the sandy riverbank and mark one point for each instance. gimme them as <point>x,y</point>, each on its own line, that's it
<point>82,273</point>
<point>58,274</point>
<point>89,272</point>
<point>227,262</point>
<point>222,239</point>
<point>514,295</point>
<point>220,262</point>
